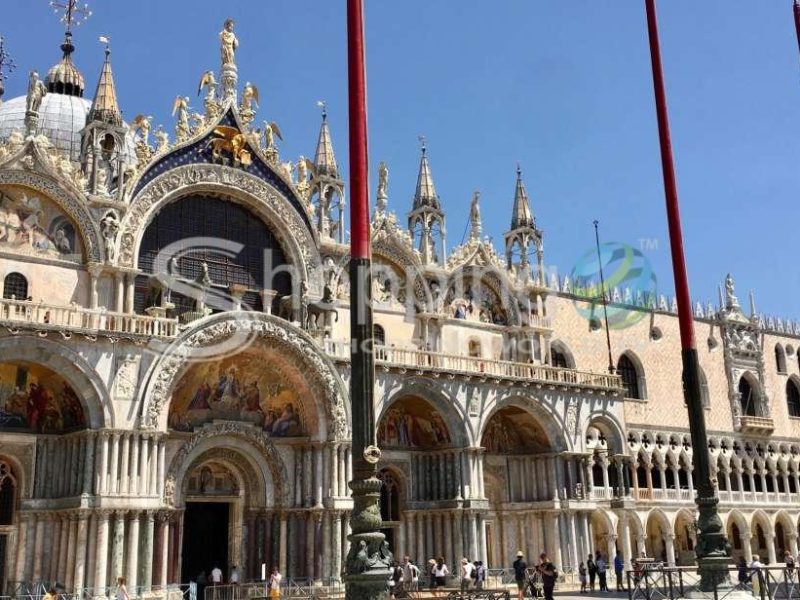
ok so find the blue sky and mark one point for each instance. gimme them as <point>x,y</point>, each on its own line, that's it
<point>563,87</point>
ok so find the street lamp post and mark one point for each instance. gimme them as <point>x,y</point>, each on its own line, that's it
<point>368,559</point>
<point>712,550</point>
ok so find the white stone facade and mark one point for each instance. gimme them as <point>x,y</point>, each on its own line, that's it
<point>500,425</point>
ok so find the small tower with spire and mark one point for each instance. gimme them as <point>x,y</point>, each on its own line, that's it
<point>326,189</point>
<point>426,219</point>
<point>524,239</point>
<point>103,138</point>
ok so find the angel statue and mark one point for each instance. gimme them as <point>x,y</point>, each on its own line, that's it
<point>228,43</point>
<point>249,96</point>
<point>181,107</point>
<point>162,139</point>
<point>36,92</point>
<point>270,131</point>
<point>207,81</point>
<point>302,170</point>
<point>141,125</point>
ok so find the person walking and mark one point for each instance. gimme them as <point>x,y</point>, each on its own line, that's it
<point>440,573</point>
<point>582,577</point>
<point>788,559</point>
<point>466,574</point>
<point>431,576</point>
<point>519,574</point>
<point>601,571</point>
<point>275,584</point>
<point>548,572</point>
<point>480,575</point>
<point>216,575</point>
<point>592,568</point>
<point>122,591</point>
<point>743,572</point>
<point>755,573</point>
<point>410,575</point>
<point>234,578</point>
<point>397,580</point>
<point>619,572</point>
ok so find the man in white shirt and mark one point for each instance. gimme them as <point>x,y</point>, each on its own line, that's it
<point>234,578</point>
<point>216,575</point>
<point>466,574</point>
<point>410,575</point>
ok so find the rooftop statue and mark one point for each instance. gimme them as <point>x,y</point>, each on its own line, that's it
<point>228,43</point>
<point>207,81</point>
<point>36,92</point>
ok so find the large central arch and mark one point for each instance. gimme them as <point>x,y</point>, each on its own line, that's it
<point>219,336</point>
<point>298,242</point>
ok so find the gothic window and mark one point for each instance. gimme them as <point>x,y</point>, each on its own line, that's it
<point>780,358</point>
<point>747,397</point>
<point>379,335</point>
<point>8,489</point>
<point>15,286</point>
<point>630,377</point>
<point>390,496</point>
<point>792,399</point>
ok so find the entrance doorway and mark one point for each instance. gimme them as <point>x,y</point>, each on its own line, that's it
<point>205,538</point>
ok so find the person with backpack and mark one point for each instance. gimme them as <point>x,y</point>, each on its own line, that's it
<point>549,574</point>
<point>466,574</point>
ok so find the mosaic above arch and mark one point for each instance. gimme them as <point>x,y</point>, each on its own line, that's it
<point>254,386</point>
<point>33,225</point>
<point>512,430</point>
<point>412,423</point>
<point>35,398</point>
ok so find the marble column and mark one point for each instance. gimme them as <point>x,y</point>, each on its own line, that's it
<point>747,549</point>
<point>147,552</point>
<point>102,475</point>
<point>318,476</point>
<point>458,532</point>
<point>342,471</point>
<point>421,557</point>
<point>448,541</point>
<point>124,477</point>
<point>117,546</point>
<point>283,541</point>
<point>69,576</point>
<point>310,551</point>
<point>132,571</point>
<point>473,534</point>
<point>61,570</point>
<point>38,542</point>
<point>624,530</point>
<point>482,550</point>
<point>88,464</point>
<point>52,571</point>
<point>553,539</point>
<point>574,559</point>
<point>771,558</point>
<point>133,486</point>
<point>113,482</point>
<point>152,466</point>
<point>81,558</point>
<point>101,551</point>
<point>337,546</point>
<point>164,537</point>
<point>669,543</point>
<point>327,565</point>
<point>144,452</point>
<point>334,473</point>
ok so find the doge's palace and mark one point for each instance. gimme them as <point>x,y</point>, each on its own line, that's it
<point>174,364</point>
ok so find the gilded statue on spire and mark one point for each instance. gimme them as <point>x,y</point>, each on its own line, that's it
<point>228,43</point>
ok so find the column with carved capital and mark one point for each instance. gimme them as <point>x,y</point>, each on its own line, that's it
<point>102,474</point>
<point>310,550</point>
<point>624,531</point>
<point>327,563</point>
<point>88,464</point>
<point>420,538</point>
<point>101,551</point>
<point>72,553</point>
<point>63,539</point>
<point>458,533</point>
<point>334,473</point>
<point>152,466</point>
<point>38,545</point>
<point>473,533</point>
<point>163,547</point>
<point>125,465</point>
<point>132,570</point>
<point>82,556</point>
<point>133,487</point>
<point>669,544</point>
<point>318,475</point>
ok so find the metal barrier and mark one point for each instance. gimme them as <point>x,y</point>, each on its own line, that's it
<point>765,583</point>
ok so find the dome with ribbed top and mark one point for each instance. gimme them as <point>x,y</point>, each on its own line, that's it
<point>64,77</point>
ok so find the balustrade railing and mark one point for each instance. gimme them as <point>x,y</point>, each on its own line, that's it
<point>413,358</point>
<point>77,317</point>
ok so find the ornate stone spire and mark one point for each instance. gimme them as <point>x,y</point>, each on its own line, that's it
<point>475,226</point>
<point>324,158</point>
<point>104,106</point>
<point>425,194</point>
<point>521,215</point>
<point>64,77</point>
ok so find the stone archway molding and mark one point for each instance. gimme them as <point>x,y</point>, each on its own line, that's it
<point>254,437</point>
<point>255,194</point>
<point>246,328</point>
<point>86,226</point>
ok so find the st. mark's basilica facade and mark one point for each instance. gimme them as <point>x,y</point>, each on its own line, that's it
<point>174,366</point>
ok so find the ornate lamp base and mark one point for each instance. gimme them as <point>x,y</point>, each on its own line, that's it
<point>369,559</point>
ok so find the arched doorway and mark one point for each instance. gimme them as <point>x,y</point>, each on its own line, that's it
<point>659,537</point>
<point>685,538</point>
<point>517,468</point>
<point>392,501</point>
<point>8,506</point>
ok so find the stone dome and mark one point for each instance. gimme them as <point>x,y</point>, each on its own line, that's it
<point>61,119</point>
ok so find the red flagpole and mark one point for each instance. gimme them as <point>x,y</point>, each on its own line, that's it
<point>713,550</point>
<point>357,103</point>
